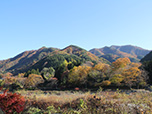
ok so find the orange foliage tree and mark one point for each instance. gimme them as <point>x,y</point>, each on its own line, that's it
<point>126,73</point>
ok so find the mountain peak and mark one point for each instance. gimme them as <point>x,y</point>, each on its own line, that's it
<point>72,48</point>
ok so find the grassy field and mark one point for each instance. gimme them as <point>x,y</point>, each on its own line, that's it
<point>78,102</point>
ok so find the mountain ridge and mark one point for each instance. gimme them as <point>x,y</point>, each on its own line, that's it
<point>135,53</point>
<point>26,59</point>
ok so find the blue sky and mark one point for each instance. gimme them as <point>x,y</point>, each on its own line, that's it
<point>31,24</point>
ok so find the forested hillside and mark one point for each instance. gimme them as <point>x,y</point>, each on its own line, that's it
<point>24,60</point>
<point>147,65</point>
<point>74,67</point>
<point>148,57</point>
<point>27,59</point>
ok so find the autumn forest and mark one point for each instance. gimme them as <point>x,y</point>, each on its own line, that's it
<point>74,69</point>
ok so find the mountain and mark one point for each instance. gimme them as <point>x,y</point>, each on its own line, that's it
<point>113,52</point>
<point>24,60</point>
<point>148,57</point>
<point>82,53</point>
<point>37,58</point>
<point>133,50</point>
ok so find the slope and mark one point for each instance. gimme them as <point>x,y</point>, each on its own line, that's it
<point>24,60</point>
<point>148,57</point>
<point>37,58</point>
<point>113,52</point>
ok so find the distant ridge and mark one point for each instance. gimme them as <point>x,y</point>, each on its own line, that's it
<point>113,52</point>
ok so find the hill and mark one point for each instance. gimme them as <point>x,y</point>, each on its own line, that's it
<point>24,60</point>
<point>35,58</point>
<point>148,57</point>
<point>73,54</point>
<point>147,65</point>
<point>82,53</point>
<point>133,50</point>
<point>113,52</point>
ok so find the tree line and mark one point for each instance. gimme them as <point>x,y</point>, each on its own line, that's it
<point>68,72</point>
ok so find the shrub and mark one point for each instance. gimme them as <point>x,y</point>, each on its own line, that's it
<point>33,110</point>
<point>11,102</point>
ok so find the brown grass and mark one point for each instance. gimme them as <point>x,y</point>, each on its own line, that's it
<point>96,103</point>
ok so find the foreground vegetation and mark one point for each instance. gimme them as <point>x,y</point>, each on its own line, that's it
<point>36,88</point>
<point>135,101</point>
<point>100,102</point>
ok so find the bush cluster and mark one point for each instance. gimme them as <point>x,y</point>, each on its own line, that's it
<point>11,102</point>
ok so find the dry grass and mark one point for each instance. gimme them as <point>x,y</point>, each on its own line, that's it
<point>42,99</point>
<point>101,102</point>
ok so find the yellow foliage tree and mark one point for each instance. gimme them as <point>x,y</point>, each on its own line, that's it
<point>33,80</point>
<point>101,67</point>
<point>131,75</point>
<point>78,75</point>
<point>120,63</point>
<point>124,71</point>
<point>117,79</point>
